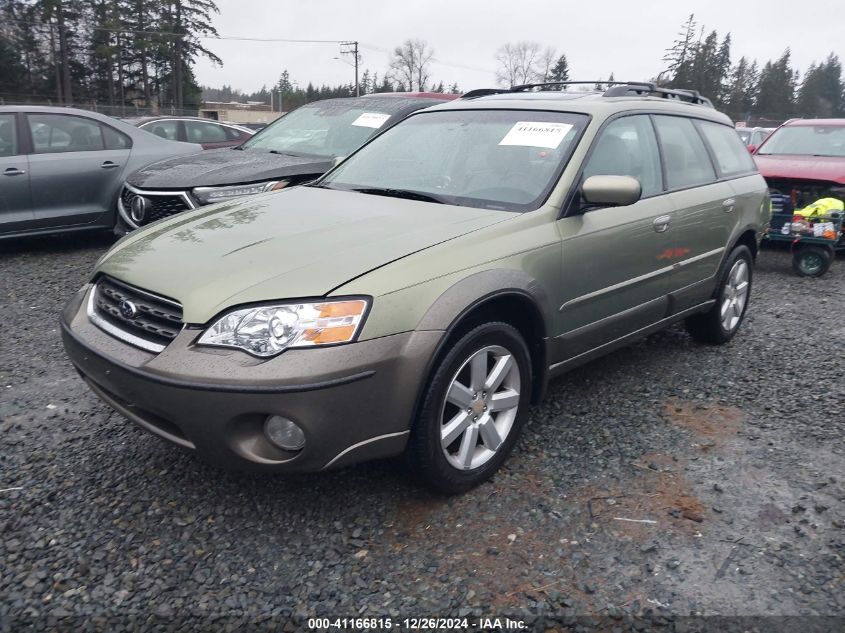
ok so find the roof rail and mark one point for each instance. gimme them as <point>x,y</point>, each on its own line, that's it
<point>483,92</point>
<point>616,89</point>
<point>528,87</point>
<point>648,89</point>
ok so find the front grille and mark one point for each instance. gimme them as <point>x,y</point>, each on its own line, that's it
<point>161,205</point>
<point>135,316</point>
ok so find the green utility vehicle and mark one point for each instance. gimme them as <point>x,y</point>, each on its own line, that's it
<point>419,296</point>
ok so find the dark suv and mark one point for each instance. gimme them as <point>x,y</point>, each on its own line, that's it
<point>296,148</point>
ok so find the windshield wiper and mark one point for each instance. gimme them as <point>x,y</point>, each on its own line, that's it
<point>275,151</point>
<point>399,193</point>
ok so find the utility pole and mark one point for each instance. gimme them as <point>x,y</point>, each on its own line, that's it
<point>351,48</point>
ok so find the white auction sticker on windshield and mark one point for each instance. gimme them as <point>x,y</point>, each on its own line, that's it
<point>371,119</point>
<point>536,134</point>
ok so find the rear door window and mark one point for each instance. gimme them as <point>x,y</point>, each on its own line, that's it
<point>232,134</point>
<point>163,129</point>
<point>732,157</point>
<point>52,133</point>
<point>8,136</point>
<point>685,157</point>
<point>201,132</point>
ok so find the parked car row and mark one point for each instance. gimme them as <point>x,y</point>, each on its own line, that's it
<point>753,137</point>
<point>419,296</point>
<point>70,170</point>
<point>209,134</point>
<point>295,148</point>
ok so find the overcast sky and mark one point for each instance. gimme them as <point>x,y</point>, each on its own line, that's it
<point>626,37</point>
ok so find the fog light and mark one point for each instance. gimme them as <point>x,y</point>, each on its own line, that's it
<point>284,433</point>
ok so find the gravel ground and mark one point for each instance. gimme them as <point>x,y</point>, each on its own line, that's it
<point>666,480</point>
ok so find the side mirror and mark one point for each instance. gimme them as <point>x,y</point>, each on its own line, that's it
<point>611,191</point>
<point>751,148</point>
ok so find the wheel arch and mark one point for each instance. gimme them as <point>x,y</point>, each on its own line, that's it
<point>748,237</point>
<point>510,296</point>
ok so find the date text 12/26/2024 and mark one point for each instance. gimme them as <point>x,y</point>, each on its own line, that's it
<point>415,624</point>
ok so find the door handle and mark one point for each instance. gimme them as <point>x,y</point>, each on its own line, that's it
<point>728,205</point>
<point>13,171</point>
<point>109,165</point>
<point>661,223</point>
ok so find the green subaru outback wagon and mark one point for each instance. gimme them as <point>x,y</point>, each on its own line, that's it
<point>419,297</point>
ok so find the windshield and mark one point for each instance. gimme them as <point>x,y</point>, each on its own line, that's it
<point>496,159</point>
<point>321,129</point>
<point>806,140</point>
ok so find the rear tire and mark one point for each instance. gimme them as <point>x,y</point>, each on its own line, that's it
<point>812,261</point>
<point>721,322</point>
<point>473,409</point>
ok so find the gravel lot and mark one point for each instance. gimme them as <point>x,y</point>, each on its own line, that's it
<point>733,455</point>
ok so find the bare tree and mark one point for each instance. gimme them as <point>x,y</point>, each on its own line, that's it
<point>410,64</point>
<point>545,64</point>
<point>518,63</point>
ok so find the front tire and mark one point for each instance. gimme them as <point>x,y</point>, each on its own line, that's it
<point>721,322</point>
<point>473,409</point>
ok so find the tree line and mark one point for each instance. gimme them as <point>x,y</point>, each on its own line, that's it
<point>117,52</point>
<point>745,90</point>
<point>287,94</point>
<point>141,53</point>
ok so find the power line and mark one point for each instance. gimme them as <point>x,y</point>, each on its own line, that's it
<point>240,38</point>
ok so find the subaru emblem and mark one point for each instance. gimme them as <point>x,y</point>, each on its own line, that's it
<point>128,310</point>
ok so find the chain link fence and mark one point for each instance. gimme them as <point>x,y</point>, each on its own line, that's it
<point>114,110</point>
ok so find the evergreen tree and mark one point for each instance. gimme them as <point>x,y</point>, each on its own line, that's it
<point>11,69</point>
<point>560,71</point>
<point>679,55</point>
<point>722,71</point>
<point>776,91</point>
<point>741,90</point>
<point>821,91</point>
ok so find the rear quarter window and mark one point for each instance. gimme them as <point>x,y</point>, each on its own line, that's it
<point>732,157</point>
<point>114,139</point>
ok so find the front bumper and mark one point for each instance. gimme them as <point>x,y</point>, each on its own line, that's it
<point>353,402</point>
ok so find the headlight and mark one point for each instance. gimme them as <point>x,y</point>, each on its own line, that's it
<point>269,330</point>
<point>207,195</point>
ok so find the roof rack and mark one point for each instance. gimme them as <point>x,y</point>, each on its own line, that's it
<point>616,89</point>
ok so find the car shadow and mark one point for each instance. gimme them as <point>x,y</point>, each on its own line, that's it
<point>54,244</point>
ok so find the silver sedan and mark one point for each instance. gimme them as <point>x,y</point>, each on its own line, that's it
<point>61,168</point>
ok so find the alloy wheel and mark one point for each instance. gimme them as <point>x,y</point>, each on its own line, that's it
<point>480,407</point>
<point>734,295</point>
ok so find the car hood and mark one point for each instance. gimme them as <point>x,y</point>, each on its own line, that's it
<point>296,243</point>
<point>830,168</point>
<point>227,166</point>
